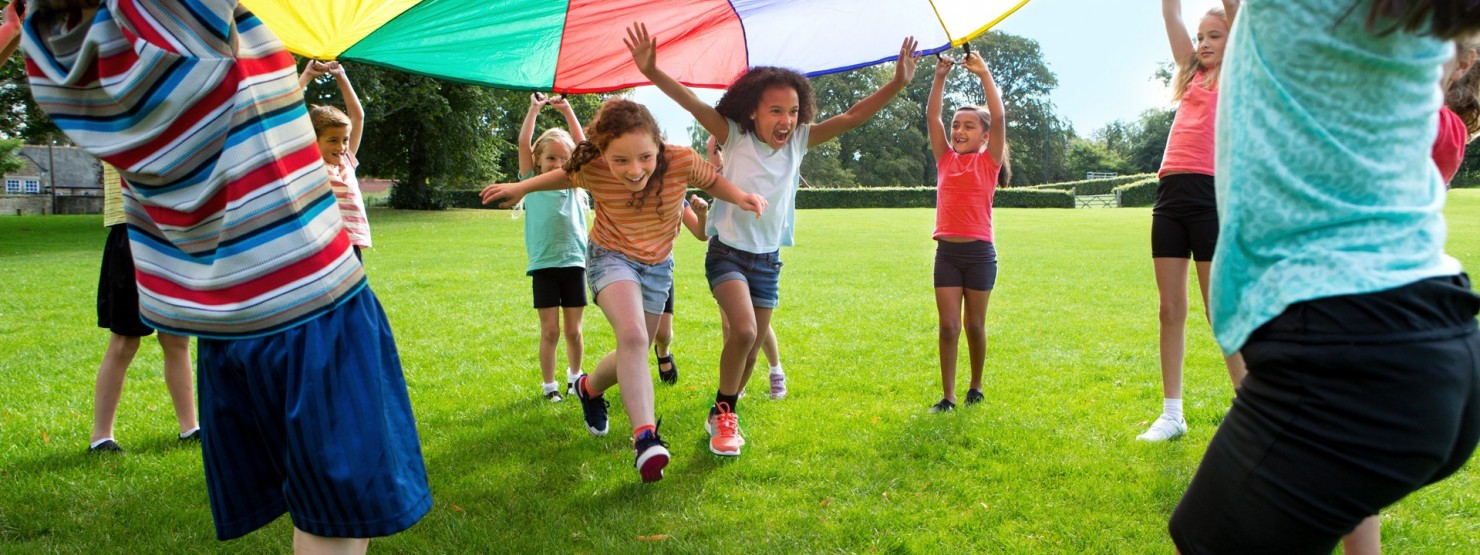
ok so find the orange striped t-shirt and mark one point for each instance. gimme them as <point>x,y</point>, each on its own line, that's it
<point>644,234</point>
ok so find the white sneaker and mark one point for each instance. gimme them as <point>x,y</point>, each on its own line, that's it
<point>570,383</point>
<point>1163,429</point>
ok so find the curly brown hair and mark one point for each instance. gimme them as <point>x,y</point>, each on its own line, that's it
<point>616,117</point>
<point>1463,95</point>
<point>1446,19</point>
<point>744,96</point>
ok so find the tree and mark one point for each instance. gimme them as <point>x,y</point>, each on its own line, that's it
<point>10,159</point>
<point>1139,144</point>
<point>20,117</point>
<point>1088,156</point>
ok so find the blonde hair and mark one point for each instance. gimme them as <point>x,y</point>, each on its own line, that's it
<point>550,136</point>
<point>1187,69</point>
<point>324,117</point>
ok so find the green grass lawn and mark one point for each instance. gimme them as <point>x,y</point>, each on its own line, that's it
<point>851,462</point>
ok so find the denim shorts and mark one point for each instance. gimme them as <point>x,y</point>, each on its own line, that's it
<point>762,272</point>
<point>605,267</point>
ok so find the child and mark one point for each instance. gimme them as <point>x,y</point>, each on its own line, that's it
<point>118,311</point>
<point>965,258</point>
<point>555,239</point>
<point>232,226</point>
<point>764,124</point>
<point>338,138</point>
<point>1363,376</point>
<point>1459,117</point>
<point>638,184</point>
<point>1184,220</point>
<point>695,212</point>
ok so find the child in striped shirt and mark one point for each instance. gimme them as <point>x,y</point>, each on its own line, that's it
<point>338,137</point>
<point>638,184</point>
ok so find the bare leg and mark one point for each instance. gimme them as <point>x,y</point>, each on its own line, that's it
<point>178,379</point>
<point>768,344</point>
<point>663,337</point>
<point>1171,287</point>
<point>762,322</point>
<point>976,333</point>
<point>1235,363</point>
<point>549,338</point>
<point>109,388</point>
<point>305,543</point>
<point>575,343</point>
<point>1366,539</point>
<point>948,308</point>
<point>740,315</point>
<point>628,365</point>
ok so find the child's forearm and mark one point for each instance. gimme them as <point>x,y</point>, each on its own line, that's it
<point>572,124</point>
<point>352,106</point>
<point>726,191</point>
<point>526,140</point>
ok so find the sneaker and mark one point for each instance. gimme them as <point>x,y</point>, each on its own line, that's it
<point>594,409</point>
<point>974,396</point>
<point>1165,428</point>
<point>724,432</point>
<point>652,455</point>
<point>107,446</point>
<point>778,386</point>
<point>193,436</point>
<point>669,376</point>
<point>554,396</point>
<point>570,383</point>
<point>945,405</point>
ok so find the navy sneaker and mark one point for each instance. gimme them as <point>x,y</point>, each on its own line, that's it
<point>192,437</point>
<point>945,405</point>
<point>974,396</point>
<point>107,446</point>
<point>652,455</point>
<point>594,409</point>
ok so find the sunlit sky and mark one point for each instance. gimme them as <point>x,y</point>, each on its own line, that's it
<point>1103,52</point>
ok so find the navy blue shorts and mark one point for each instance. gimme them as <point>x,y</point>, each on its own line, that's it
<point>118,287</point>
<point>313,421</point>
<point>559,287</point>
<point>761,272</point>
<point>971,265</point>
<point>1350,404</point>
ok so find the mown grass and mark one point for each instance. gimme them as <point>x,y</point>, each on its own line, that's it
<point>850,462</point>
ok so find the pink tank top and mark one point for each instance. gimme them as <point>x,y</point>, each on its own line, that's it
<point>1190,145</point>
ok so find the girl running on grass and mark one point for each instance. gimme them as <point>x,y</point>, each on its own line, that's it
<point>1331,278</point>
<point>1184,219</point>
<point>638,184</point>
<point>555,239</point>
<point>764,124</point>
<point>967,163</point>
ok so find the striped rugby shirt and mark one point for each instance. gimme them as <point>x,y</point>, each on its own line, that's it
<point>233,225</point>
<point>644,235</point>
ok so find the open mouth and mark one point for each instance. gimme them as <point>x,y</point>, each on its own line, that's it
<point>779,136</point>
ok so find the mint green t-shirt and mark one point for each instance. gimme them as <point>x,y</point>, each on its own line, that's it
<point>1325,182</point>
<point>554,229</point>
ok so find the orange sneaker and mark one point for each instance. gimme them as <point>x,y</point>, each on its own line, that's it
<point>724,432</point>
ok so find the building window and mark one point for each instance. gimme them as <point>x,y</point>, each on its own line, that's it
<point>33,186</point>
<point>12,186</point>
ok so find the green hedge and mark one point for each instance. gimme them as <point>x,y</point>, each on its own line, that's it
<point>1103,186</point>
<point>1140,193</point>
<point>864,197</point>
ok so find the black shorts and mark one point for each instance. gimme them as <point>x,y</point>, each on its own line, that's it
<point>118,287</point>
<point>559,287</point>
<point>970,265</point>
<point>1184,222</point>
<point>1350,404</point>
<point>668,306</point>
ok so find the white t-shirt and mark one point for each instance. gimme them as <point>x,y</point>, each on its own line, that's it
<point>754,167</point>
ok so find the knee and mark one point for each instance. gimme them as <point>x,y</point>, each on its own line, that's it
<point>573,335</point>
<point>976,329</point>
<point>742,334</point>
<point>123,345</point>
<point>950,330</point>
<point>635,340</point>
<point>549,334</point>
<point>1173,312</point>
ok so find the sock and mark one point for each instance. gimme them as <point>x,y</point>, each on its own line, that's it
<point>777,370</point>
<point>571,375</point>
<point>586,386</point>
<point>722,398</point>
<point>99,442</point>
<point>550,387</point>
<point>1172,408</point>
<point>644,429</point>
<point>190,431</point>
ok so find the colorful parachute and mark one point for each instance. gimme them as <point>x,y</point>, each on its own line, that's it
<point>575,46</point>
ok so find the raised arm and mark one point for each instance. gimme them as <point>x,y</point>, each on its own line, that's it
<point>572,124</point>
<point>997,128</point>
<point>933,125</point>
<point>312,70</point>
<point>644,48</point>
<point>1177,35</point>
<point>352,106</point>
<point>696,216</point>
<point>10,32</point>
<point>1230,9</point>
<point>509,194</point>
<point>904,70</point>
<point>526,134</point>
